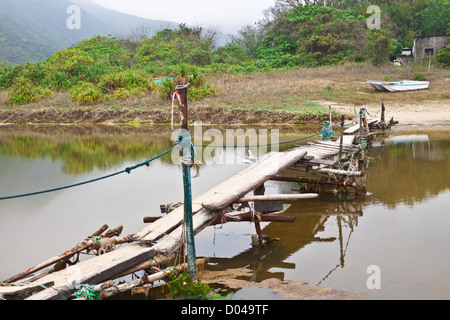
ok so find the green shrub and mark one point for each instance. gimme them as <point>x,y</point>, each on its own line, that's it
<point>166,88</point>
<point>201,93</point>
<point>121,93</point>
<point>417,76</point>
<point>443,56</point>
<point>125,79</point>
<point>87,94</point>
<point>196,78</point>
<point>23,92</point>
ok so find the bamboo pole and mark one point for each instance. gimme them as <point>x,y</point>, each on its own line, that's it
<point>313,181</point>
<point>241,217</point>
<point>273,197</point>
<point>90,242</point>
<point>66,255</point>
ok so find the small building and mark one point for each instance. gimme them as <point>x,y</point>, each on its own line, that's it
<point>426,47</point>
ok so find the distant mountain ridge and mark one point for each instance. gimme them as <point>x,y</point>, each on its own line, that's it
<point>33,30</point>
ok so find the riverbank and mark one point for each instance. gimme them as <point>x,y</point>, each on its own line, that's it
<point>296,96</point>
<point>427,113</point>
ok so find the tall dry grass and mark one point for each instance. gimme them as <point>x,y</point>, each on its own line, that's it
<point>296,90</point>
<point>344,83</point>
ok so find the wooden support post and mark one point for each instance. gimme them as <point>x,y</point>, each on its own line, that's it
<point>257,192</point>
<point>186,153</point>
<point>360,124</point>
<point>341,138</point>
<point>331,119</point>
<point>383,110</point>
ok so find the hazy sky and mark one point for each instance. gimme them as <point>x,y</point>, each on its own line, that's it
<point>228,15</point>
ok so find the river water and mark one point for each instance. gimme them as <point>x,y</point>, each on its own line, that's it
<point>401,229</point>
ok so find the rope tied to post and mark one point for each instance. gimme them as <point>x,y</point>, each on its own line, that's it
<point>176,94</point>
<point>256,216</point>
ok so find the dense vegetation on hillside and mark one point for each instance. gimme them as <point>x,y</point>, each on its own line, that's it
<point>19,43</point>
<point>104,68</point>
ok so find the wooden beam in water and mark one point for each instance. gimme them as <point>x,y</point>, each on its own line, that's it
<point>272,197</point>
<point>314,161</point>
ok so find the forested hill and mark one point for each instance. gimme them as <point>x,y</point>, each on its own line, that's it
<point>33,30</point>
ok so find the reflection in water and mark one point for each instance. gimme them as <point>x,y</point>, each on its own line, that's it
<point>331,243</point>
<point>83,148</point>
<point>417,170</point>
<point>311,218</point>
<point>406,174</point>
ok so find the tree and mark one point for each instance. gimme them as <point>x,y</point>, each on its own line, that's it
<point>435,17</point>
<point>185,45</point>
<point>378,46</point>
<point>249,38</point>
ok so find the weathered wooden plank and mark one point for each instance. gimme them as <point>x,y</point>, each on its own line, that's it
<point>240,184</point>
<point>314,161</point>
<point>272,197</point>
<point>331,149</point>
<point>352,130</point>
<point>349,148</point>
<point>92,271</point>
<point>24,291</point>
<point>319,153</point>
<point>348,139</point>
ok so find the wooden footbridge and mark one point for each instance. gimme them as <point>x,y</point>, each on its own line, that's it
<point>157,243</point>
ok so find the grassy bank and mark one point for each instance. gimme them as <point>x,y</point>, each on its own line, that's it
<point>290,96</point>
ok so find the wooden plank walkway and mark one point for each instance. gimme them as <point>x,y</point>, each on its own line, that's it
<point>164,236</point>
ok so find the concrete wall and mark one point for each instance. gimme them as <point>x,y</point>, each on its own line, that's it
<point>428,46</point>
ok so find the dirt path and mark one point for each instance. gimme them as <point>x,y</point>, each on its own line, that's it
<point>423,113</point>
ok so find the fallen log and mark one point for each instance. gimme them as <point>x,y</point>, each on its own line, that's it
<point>243,217</point>
<point>19,292</point>
<point>249,217</point>
<point>314,181</point>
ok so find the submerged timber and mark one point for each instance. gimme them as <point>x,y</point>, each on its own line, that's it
<point>339,160</point>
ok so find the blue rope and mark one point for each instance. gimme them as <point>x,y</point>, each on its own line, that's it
<point>127,170</point>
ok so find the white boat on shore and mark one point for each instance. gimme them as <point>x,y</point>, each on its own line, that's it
<point>394,86</point>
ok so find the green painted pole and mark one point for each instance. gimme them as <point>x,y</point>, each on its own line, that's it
<point>186,153</point>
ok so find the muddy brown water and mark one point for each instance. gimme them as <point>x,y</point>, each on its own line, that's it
<point>390,244</point>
